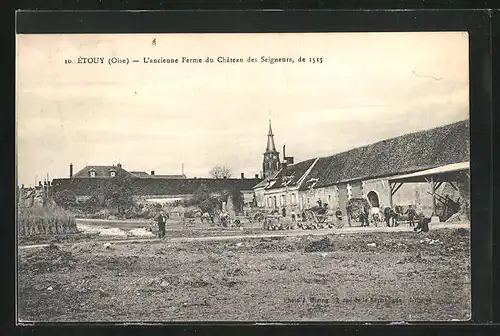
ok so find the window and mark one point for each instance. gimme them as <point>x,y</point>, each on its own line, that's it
<point>112,173</point>
<point>269,201</point>
<point>92,173</point>
<point>293,199</point>
<point>329,199</point>
<point>283,200</point>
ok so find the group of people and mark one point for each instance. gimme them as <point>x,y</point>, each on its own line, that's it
<point>390,215</point>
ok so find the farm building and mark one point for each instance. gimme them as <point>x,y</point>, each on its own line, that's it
<point>371,171</point>
<point>148,187</point>
<point>283,189</point>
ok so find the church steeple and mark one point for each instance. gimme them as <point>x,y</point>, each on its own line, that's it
<point>271,162</point>
<point>270,139</point>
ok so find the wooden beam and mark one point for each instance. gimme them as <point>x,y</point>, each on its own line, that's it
<point>454,186</point>
<point>433,190</point>
<point>438,185</point>
<point>397,188</point>
<point>390,194</point>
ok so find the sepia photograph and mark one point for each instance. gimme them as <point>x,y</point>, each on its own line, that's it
<point>278,177</point>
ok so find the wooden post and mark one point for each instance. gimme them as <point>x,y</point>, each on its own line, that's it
<point>390,195</point>
<point>433,192</point>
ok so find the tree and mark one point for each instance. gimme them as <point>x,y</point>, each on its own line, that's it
<point>203,198</point>
<point>65,198</point>
<point>220,172</point>
<point>116,193</point>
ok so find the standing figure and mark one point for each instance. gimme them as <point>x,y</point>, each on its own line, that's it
<point>393,217</point>
<point>293,216</point>
<point>283,211</point>
<point>161,219</point>
<point>338,214</point>
<point>363,217</point>
<point>411,215</point>
<point>304,218</point>
<point>387,216</point>
<point>320,204</point>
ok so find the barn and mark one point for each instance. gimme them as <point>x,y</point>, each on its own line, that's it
<point>282,191</point>
<point>370,171</point>
<point>367,172</point>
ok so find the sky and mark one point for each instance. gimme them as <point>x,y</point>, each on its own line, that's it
<point>369,87</point>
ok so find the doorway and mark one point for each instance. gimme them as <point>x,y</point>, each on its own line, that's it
<point>373,199</point>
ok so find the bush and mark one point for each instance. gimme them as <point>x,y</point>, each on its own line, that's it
<point>44,221</point>
<point>91,205</point>
<point>65,198</point>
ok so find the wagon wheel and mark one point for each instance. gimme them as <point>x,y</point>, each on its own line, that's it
<point>311,216</point>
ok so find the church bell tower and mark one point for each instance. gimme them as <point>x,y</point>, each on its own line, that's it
<point>271,162</point>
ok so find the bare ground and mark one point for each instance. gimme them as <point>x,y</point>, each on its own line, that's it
<point>404,276</point>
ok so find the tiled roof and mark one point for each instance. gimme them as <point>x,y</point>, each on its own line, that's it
<point>405,154</point>
<point>154,186</point>
<point>100,171</point>
<point>179,176</point>
<point>143,174</point>
<point>265,181</point>
<point>291,175</point>
<point>140,174</point>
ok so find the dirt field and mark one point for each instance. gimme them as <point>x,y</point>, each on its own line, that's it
<point>363,276</point>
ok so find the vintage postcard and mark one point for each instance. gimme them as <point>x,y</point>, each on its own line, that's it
<point>243,177</point>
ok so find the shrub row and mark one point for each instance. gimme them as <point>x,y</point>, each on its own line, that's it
<point>46,220</point>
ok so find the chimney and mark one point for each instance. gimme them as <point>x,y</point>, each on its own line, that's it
<point>284,154</point>
<point>70,170</point>
<point>242,175</point>
<point>39,183</point>
<point>119,166</point>
<point>256,176</point>
<point>152,172</point>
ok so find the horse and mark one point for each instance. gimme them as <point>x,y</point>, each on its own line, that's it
<point>390,217</point>
<point>376,215</point>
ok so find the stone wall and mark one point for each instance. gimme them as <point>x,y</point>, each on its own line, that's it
<point>416,194</point>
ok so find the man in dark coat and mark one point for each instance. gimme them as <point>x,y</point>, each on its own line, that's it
<point>161,219</point>
<point>387,216</point>
<point>411,215</point>
<point>423,224</point>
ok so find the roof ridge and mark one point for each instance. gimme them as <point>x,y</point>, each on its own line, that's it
<point>397,137</point>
